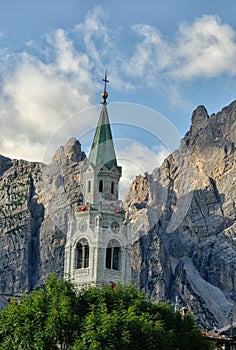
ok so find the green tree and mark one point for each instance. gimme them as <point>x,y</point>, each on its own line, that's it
<point>122,318</point>
<point>55,316</point>
<point>46,319</point>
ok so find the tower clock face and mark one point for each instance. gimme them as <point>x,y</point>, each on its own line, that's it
<point>115,226</point>
<point>83,225</point>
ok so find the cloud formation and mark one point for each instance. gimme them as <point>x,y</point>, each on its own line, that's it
<point>48,83</point>
<point>136,159</point>
<point>205,48</point>
<point>37,96</point>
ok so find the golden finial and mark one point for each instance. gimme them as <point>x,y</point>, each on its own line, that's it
<point>105,93</point>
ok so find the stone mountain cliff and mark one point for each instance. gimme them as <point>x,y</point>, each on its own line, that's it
<point>36,203</point>
<point>182,219</point>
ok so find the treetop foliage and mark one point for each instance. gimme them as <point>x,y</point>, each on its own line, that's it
<point>56,317</point>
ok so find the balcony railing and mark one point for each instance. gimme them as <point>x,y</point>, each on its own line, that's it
<point>101,207</point>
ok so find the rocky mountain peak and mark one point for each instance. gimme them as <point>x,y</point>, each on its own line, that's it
<point>71,151</point>
<point>199,119</point>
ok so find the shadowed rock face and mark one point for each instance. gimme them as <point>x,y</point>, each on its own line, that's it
<point>184,221</point>
<point>36,203</point>
<point>20,220</point>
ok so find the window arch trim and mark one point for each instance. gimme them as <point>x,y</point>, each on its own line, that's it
<point>82,253</point>
<point>113,255</point>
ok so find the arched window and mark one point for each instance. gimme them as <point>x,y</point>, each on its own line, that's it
<point>82,254</point>
<point>80,199</point>
<point>113,255</point>
<point>112,187</point>
<point>89,186</point>
<point>100,187</point>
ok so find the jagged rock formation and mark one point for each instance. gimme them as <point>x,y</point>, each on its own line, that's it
<point>58,192</point>
<point>36,204</point>
<point>184,221</point>
<point>20,218</point>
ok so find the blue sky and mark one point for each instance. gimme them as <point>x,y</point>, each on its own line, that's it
<point>166,56</point>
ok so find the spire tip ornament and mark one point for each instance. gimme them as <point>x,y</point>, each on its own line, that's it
<point>105,93</point>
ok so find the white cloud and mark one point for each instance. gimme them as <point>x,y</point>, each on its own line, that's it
<point>97,43</point>
<point>206,48</point>
<point>152,55</point>
<point>69,60</point>
<point>136,159</point>
<point>37,96</point>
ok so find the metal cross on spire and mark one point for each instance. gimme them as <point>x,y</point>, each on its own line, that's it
<point>105,93</point>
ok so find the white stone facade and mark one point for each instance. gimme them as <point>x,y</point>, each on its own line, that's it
<point>98,249</point>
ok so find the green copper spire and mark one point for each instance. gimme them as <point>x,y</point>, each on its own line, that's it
<point>102,150</point>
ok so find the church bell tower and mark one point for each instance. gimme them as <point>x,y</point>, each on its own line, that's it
<point>98,248</point>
